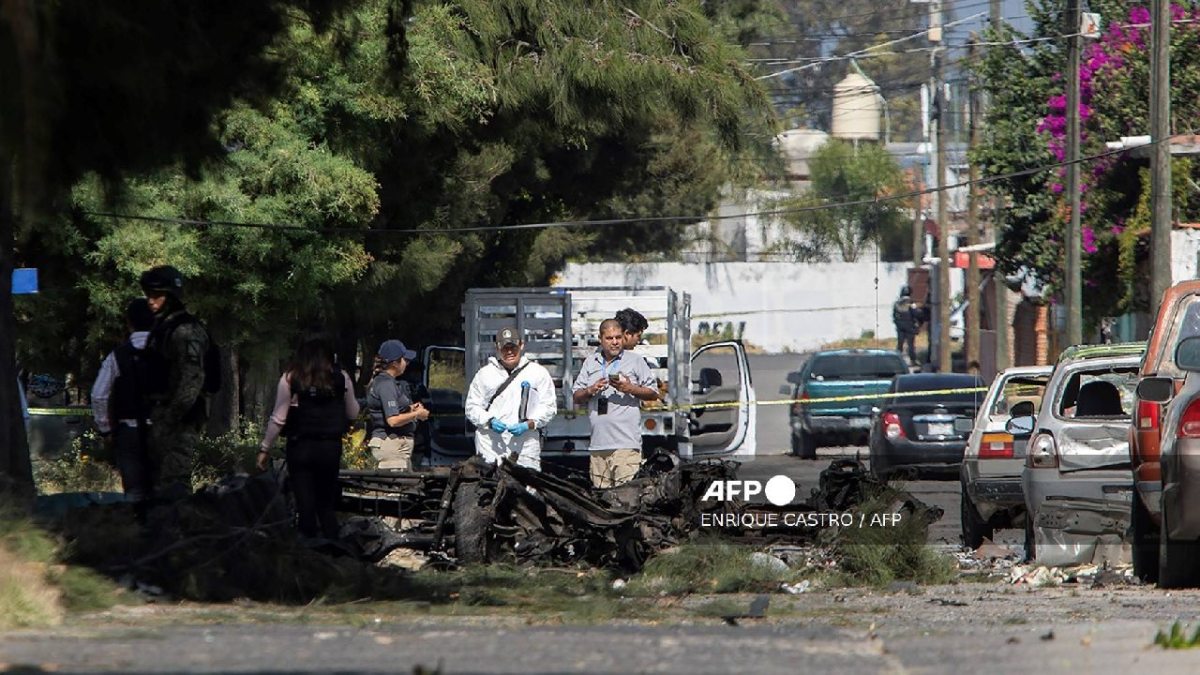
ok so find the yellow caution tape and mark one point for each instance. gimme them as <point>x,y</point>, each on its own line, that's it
<point>61,412</point>
<point>809,401</point>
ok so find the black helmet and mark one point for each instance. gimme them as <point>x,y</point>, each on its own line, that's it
<point>162,279</point>
<point>905,291</point>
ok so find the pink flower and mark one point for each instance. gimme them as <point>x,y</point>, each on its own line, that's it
<point>1089,240</point>
<point>1139,15</point>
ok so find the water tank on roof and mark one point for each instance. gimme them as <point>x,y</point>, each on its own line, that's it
<point>857,108</point>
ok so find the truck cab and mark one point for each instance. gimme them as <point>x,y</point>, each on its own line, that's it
<point>706,406</point>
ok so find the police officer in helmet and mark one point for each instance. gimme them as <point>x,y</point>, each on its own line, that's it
<point>177,344</point>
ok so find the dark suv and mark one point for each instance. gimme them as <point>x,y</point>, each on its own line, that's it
<point>855,379</point>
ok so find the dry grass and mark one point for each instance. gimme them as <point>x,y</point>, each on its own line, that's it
<point>27,600</point>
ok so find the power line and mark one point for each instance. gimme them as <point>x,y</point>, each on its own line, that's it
<point>195,222</point>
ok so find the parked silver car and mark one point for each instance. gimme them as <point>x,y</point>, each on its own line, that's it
<point>1178,542</point>
<point>992,497</point>
<point>1077,484</point>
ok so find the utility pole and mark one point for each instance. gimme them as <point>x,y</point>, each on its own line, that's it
<point>1074,277</point>
<point>973,299</point>
<point>998,286</point>
<point>1160,158</point>
<point>943,216</point>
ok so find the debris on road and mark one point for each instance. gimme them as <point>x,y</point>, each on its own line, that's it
<point>1038,576</point>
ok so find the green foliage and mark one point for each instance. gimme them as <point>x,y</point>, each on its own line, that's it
<point>77,470</point>
<point>83,590</point>
<point>429,116</point>
<point>1175,637</point>
<point>706,567</point>
<point>876,556</point>
<point>225,454</point>
<point>844,173</point>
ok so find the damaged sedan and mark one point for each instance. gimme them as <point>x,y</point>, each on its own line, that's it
<point>1076,478</point>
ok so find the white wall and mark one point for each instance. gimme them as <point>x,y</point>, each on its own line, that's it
<point>785,306</point>
<point>1185,245</point>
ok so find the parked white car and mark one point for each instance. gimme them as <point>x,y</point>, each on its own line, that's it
<point>1077,483</point>
<point>992,496</point>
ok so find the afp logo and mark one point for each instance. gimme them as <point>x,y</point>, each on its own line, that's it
<point>779,490</point>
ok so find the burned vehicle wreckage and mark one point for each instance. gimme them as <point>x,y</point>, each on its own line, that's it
<point>481,513</point>
<point>236,538</point>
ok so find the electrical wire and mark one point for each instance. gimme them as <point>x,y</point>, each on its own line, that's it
<point>195,222</point>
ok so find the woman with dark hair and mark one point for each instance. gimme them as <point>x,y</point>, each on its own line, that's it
<point>314,404</point>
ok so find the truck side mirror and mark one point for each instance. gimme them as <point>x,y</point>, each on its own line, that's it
<point>1156,389</point>
<point>794,377</point>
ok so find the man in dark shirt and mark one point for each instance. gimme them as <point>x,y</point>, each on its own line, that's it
<point>907,317</point>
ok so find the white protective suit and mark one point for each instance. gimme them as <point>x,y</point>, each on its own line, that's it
<point>506,408</point>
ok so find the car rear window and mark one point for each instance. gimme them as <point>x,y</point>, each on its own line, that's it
<point>858,366</point>
<point>1021,389</point>
<point>1103,402</point>
<point>1186,324</point>
<point>940,383</point>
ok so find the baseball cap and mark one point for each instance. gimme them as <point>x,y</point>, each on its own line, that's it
<point>508,336</point>
<point>394,350</point>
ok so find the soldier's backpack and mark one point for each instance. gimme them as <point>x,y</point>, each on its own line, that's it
<point>212,356</point>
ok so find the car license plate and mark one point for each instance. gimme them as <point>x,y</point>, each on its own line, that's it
<point>860,422</point>
<point>941,429</point>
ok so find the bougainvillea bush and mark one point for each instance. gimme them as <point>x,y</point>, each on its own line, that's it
<point>1028,129</point>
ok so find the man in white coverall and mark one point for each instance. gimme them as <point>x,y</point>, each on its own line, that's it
<point>510,402</point>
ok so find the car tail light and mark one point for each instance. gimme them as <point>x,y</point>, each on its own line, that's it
<point>1189,424</point>
<point>1042,453</point>
<point>996,446</point>
<point>1148,415</point>
<point>891,426</point>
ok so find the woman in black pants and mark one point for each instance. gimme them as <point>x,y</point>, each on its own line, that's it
<point>314,404</point>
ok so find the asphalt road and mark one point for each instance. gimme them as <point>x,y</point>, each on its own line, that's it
<point>769,374</point>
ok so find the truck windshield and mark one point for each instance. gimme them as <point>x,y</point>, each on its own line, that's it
<point>858,367</point>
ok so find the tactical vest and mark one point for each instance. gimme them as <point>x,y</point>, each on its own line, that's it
<point>130,397</point>
<point>902,316</point>
<point>318,415</point>
<point>375,415</point>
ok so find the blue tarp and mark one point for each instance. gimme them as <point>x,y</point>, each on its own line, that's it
<point>25,281</point>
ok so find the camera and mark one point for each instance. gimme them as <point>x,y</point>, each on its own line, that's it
<point>602,405</point>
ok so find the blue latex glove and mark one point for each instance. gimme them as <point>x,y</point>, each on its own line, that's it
<point>518,428</point>
<point>498,426</point>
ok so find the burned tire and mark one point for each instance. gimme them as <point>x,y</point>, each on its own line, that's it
<point>470,524</point>
<point>1178,561</point>
<point>974,528</point>
<point>1144,547</point>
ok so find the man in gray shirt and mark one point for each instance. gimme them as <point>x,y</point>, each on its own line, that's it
<point>613,383</point>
